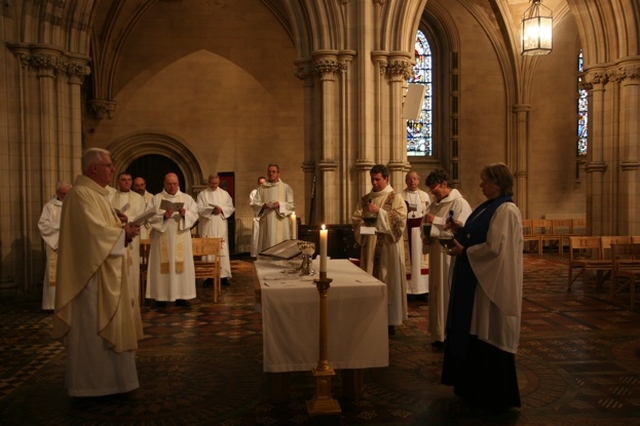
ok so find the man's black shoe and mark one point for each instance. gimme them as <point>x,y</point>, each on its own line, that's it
<point>224,281</point>
<point>438,345</point>
<point>183,303</point>
<point>207,283</point>
<point>160,304</point>
<point>392,330</point>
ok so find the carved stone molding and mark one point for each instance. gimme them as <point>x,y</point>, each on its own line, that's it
<point>324,66</point>
<point>308,166</point>
<point>327,165</point>
<point>629,166</point>
<point>595,167</point>
<point>101,108</point>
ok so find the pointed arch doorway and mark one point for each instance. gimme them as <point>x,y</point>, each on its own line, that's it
<point>153,168</point>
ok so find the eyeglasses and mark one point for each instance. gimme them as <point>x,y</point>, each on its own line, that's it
<point>433,187</point>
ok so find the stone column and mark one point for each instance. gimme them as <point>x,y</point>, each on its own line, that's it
<point>596,165</point>
<point>71,144</point>
<point>628,186</point>
<point>521,172</point>
<point>399,70</point>
<point>326,66</point>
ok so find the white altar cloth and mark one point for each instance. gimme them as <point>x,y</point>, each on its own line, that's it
<point>356,317</point>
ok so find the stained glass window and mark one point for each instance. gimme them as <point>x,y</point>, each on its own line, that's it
<point>420,132</point>
<point>583,110</point>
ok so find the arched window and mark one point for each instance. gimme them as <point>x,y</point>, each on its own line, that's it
<point>583,111</point>
<point>420,133</point>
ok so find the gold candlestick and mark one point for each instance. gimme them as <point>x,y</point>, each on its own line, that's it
<point>322,402</point>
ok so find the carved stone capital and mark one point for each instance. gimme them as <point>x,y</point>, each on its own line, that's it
<point>598,77</point>
<point>399,69</point>
<point>46,64</point>
<point>101,108</point>
<point>629,72</point>
<point>76,71</point>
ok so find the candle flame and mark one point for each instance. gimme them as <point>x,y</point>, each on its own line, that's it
<point>323,227</point>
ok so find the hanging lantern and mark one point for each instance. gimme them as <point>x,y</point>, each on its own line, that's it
<point>537,30</point>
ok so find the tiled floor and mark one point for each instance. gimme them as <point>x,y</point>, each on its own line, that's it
<point>578,364</point>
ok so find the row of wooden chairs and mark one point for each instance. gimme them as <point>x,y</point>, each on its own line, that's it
<point>554,232</point>
<point>206,260</point>
<point>613,258</point>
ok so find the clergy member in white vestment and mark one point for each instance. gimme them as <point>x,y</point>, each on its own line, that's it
<point>132,205</point>
<point>96,316</point>
<point>382,252</point>
<point>49,226</point>
<point>215,206</point>
<point>171,273</point>
<point>273,204</point>
<point>447,199</point>
<point>255,228</point>
<point>140,187</point>
<point>417,202</point>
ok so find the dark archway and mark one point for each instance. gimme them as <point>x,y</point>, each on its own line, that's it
<point>153,168</point>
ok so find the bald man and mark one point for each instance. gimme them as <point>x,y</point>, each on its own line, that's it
<point>171,271</point>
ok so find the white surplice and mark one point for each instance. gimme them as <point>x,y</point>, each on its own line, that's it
<point>216,225</point>
<point>415,260</point>
<point>171,273</point>
<point>49,226</point>
<point>440,262</point>
<point>137,206</point>
<point>255,228</point>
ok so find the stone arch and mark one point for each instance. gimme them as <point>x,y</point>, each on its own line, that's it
<point>130,147</point>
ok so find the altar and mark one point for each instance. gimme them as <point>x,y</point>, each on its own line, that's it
<point>356,317</point>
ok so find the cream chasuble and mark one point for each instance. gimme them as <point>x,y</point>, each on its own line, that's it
<point>96,316</point>
<point>382,254</point>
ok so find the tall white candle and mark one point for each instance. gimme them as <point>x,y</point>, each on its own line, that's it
<point>294,226</point>
<point>323,249</point>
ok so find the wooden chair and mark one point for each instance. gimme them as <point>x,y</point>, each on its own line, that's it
<point>625,269</point>
<point>145,246</point>
<point>529,236</point>
<point>206,260</point>
<point>563,228</point>
<point>607,241</point>
<point>544,228</point>
<point>585,253</point>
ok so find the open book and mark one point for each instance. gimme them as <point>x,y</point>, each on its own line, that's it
<point>288,249</point>
<point>141,218</point>
<point>123,209</point>
<point>168,205</point>
<point>207,211</point>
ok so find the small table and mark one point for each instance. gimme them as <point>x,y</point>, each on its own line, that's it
<point>356,319</point>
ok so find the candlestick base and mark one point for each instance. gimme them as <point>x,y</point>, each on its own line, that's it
<point>322,403</point>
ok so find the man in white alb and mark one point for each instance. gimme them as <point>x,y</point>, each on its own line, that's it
<point>96,316</point>
<point>417,203</point>
<point>49,226</point>
<point>132,205</point>
<point>140,187</point>
<point>255,229</point>
<point>215,206</point>
<point>171,273</point>
<point>274,204</point>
